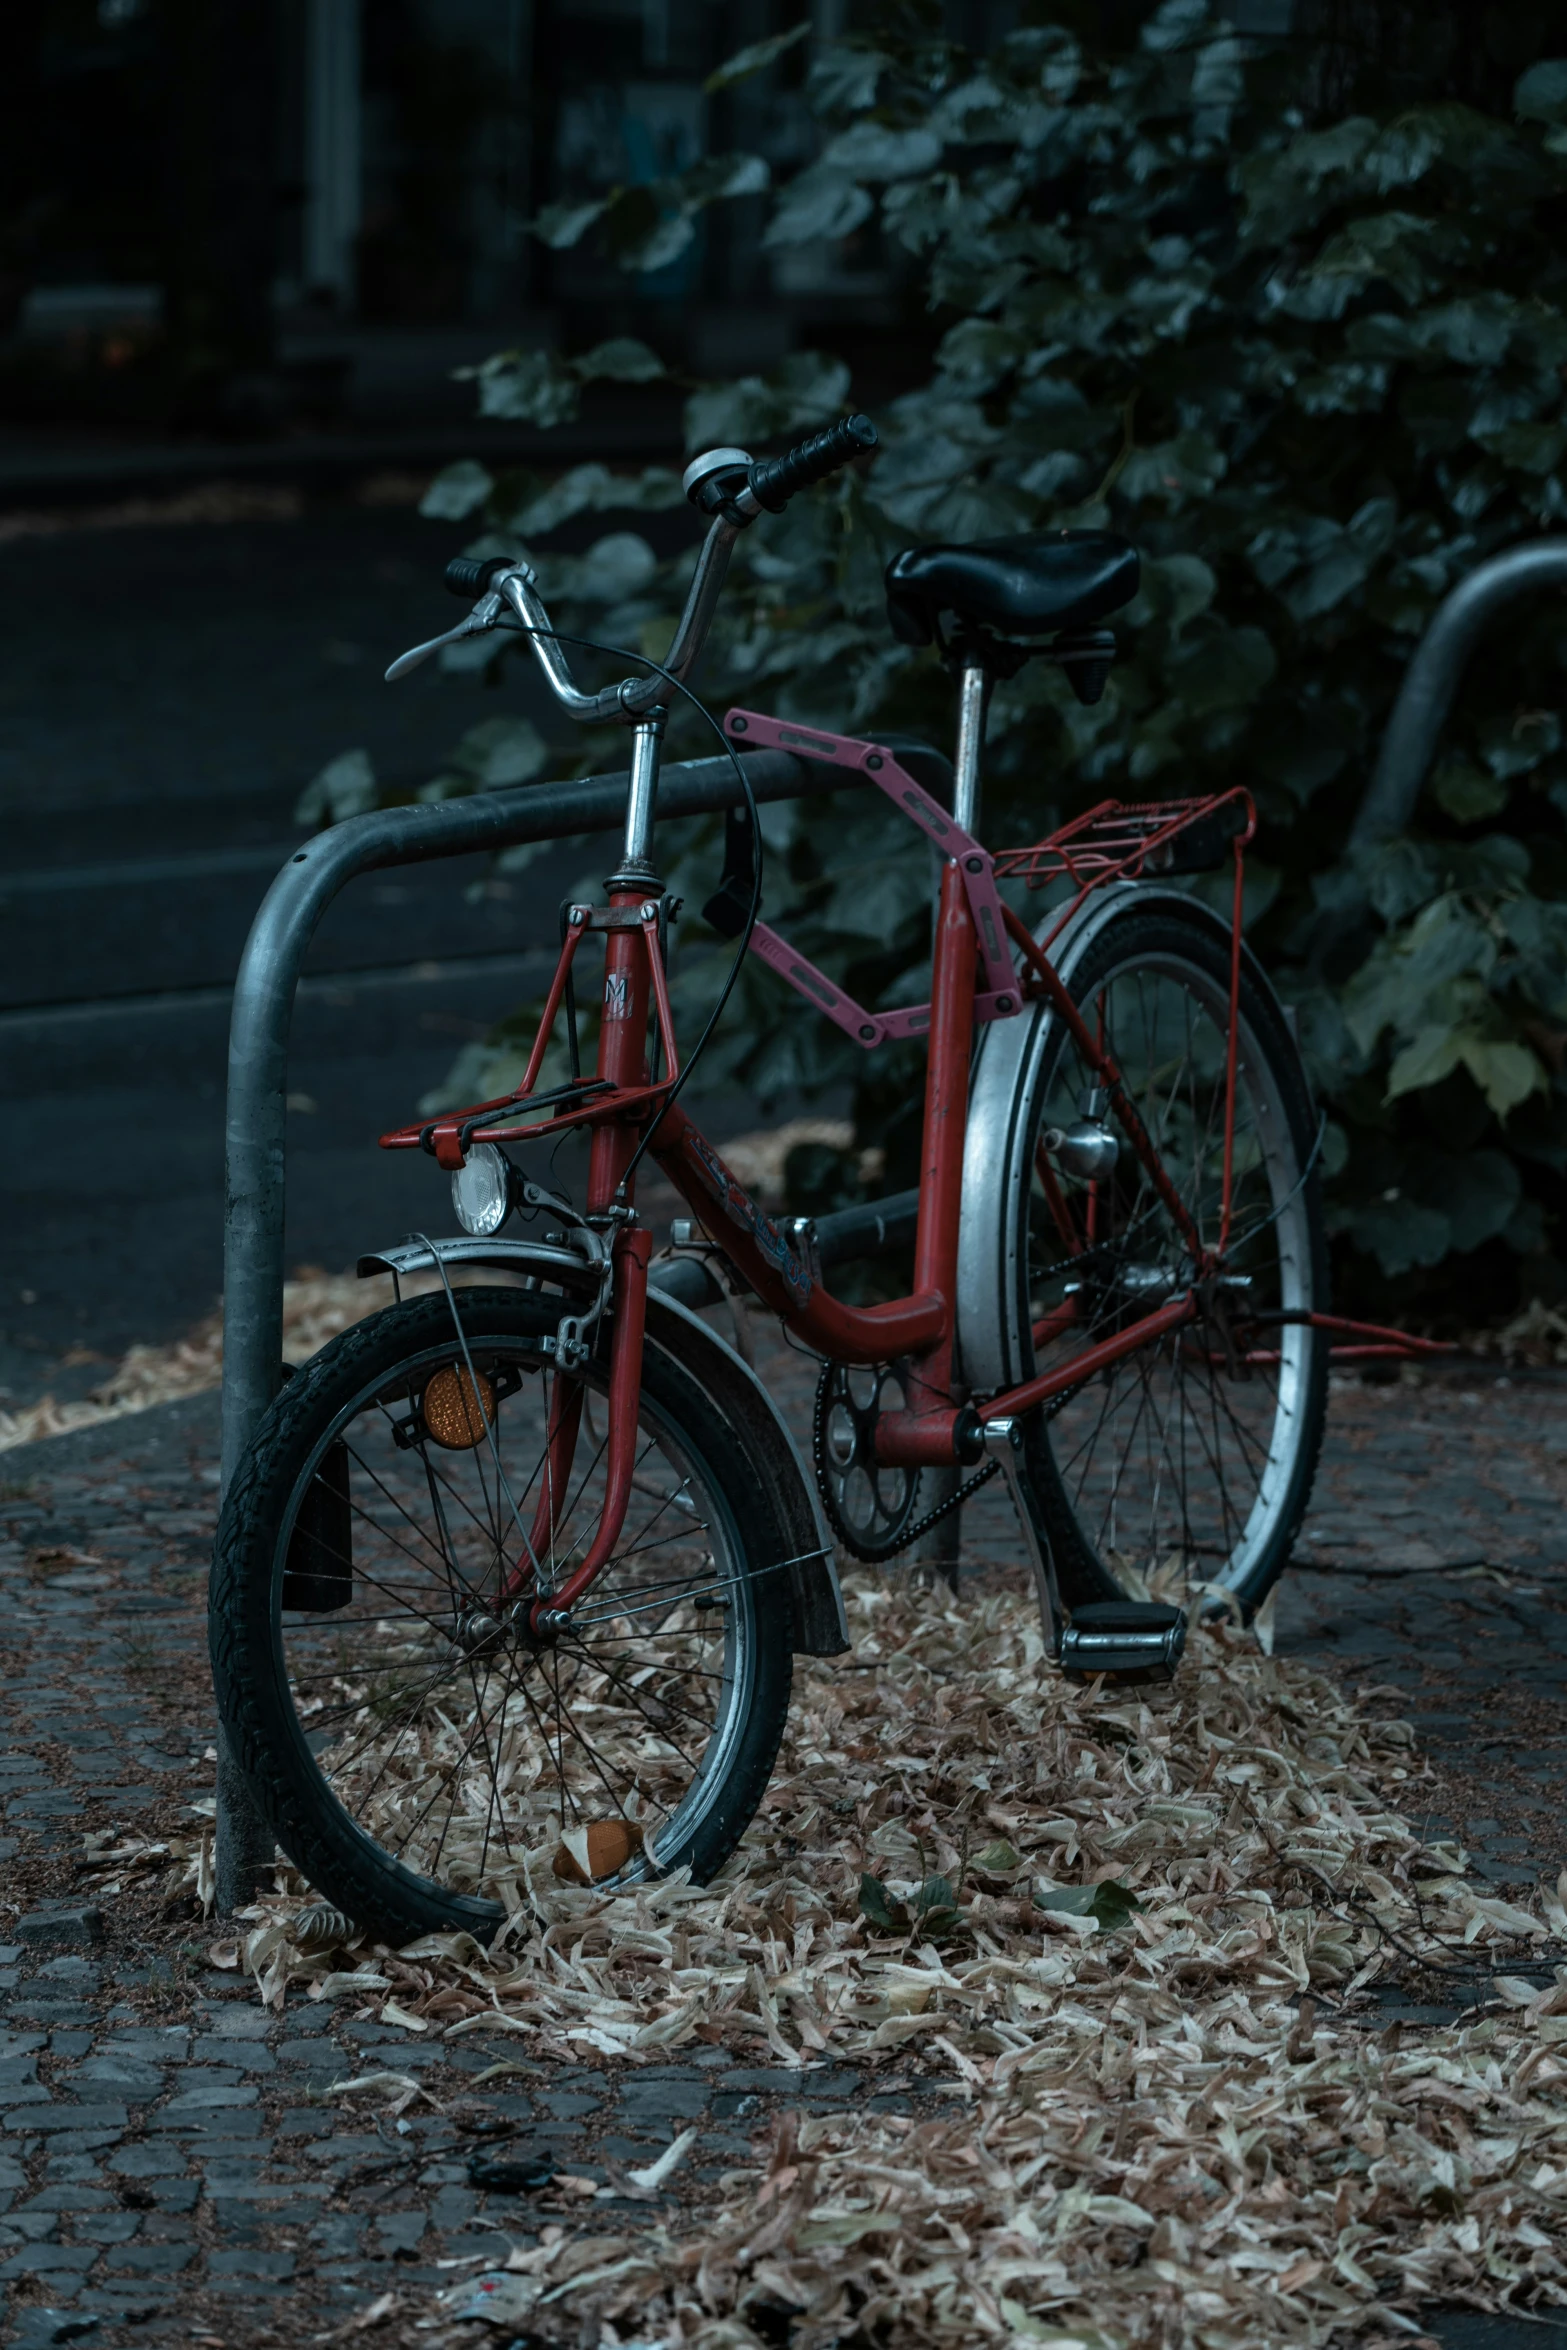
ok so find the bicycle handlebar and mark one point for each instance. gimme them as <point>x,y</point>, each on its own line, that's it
<point>776,480</point>
<point>470,575</point>
<point>725,484</point>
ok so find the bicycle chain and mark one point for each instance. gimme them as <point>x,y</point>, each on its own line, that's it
<point>954,1501</point>
<point>944,1509</point>
<point>1047,1411</point>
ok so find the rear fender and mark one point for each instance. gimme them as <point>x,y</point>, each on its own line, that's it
<point>1007,1067</point>
<point>1001,1098</point>
<point>821,1628</point>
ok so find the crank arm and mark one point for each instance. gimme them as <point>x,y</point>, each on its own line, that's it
<point>1126,1639</point>
<point>1003,1440</point>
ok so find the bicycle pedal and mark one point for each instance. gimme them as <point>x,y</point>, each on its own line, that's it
<point>1126,1639</point>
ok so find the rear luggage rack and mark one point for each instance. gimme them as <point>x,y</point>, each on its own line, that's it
<point>1128,840</point>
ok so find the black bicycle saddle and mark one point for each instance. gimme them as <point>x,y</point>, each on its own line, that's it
<point>1025,586</point>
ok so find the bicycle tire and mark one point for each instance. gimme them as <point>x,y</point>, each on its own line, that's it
<point>1218,1450</point>
<point>271,1529</point>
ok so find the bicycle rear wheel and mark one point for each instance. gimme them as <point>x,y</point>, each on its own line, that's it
<point>419,1751</point>
<point>1187,1464</point>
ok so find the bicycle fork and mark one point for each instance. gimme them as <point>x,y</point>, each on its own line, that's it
<point>552,1603</point>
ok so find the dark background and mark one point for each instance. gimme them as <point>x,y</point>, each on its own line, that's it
<point>242,251</point>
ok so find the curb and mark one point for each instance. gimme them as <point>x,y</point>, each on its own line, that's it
<point>162,1436</point>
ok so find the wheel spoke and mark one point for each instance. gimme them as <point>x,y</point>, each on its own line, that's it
<point>1166,1457</point>
<point>439,1722</point>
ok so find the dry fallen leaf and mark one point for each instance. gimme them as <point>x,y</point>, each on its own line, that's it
<point>1153,2141</point>
<point>601,1848</point>
<point>652,2177</point>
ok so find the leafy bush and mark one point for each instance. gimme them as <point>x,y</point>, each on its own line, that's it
<point>1314,369</point>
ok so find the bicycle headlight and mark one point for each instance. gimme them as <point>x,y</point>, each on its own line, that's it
<point>481,1190</point>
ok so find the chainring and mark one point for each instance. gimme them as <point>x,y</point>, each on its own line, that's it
<point>873,1509</point>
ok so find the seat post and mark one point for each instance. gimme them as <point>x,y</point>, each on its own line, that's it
<point>973,696</point>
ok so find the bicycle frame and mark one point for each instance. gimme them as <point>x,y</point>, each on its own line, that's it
<point>973,981</point>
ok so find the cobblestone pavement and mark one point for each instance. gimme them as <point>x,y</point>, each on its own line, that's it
<point>172,2162</point>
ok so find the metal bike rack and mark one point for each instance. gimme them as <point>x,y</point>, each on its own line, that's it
<point>255,1128</point>
<point>1433,676</point>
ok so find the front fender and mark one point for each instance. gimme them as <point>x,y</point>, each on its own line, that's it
<point>821,1628</point>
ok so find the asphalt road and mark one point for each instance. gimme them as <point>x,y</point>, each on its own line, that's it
<point>165,693</point>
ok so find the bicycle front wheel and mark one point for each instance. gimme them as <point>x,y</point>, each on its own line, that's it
<point>1187,1464</point>
<point>421,1753</point>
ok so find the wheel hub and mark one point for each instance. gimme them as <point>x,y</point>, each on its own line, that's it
<point>481,1632</point>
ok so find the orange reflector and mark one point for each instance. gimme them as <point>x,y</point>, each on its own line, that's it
<point>455,1416</point>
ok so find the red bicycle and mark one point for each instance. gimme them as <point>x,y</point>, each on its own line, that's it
<point>514,1576</point>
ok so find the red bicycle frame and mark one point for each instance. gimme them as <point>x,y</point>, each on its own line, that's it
<point>973,981</point>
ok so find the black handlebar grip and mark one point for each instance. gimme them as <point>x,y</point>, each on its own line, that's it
<point>469,575</point>
<point>775,480</point>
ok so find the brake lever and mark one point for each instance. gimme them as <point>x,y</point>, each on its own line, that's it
<point>484,615</point>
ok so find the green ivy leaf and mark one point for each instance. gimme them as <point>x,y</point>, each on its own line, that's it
<point>622,360</point>
<point>1224,669</point>
<point>1396,986</point>
<point>1110,1904</point>
<point>457,491</point>
<point>936,1911</point>
<point>844,78</point>
<point>501,751</point>
<point>1540,93</point>
<point>756,58</point>
<point>1399,1233</point>
<point>1533,448</point>
<point>561,226</point>
<point>879,1909</point>
<point>590,489</point>
<point>531,387</point>
<point>1478,1193</point>
<point>647,236</point>
<point>1189,466</point>
<point>806,389</point>
<point>822,202</point>
<point>1390,247</point>
<point>345,786</point>
<point>1506,1073</point>
<point>998,1859</point>
<point>1433,1053</point>
<point>1467,792</point>
<point>872,151</point>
